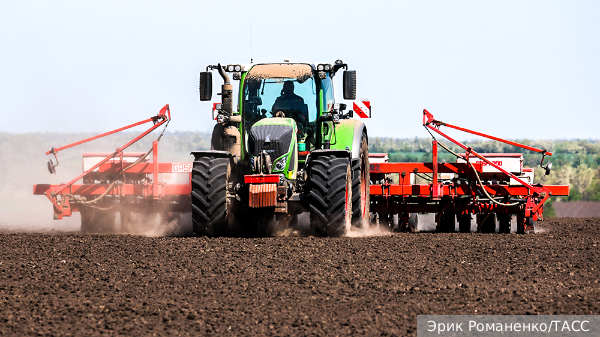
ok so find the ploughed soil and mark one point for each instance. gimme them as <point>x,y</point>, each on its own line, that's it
<point>72,284</point>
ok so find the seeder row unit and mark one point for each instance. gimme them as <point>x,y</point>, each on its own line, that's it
<point>491,187</point>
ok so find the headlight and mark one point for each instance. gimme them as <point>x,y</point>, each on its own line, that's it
<point>280,164</point>
<point>252,162</point>
<point>233,67</point>
<point>324,67</point>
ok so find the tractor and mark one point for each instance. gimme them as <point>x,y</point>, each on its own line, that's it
<point>288,149</point>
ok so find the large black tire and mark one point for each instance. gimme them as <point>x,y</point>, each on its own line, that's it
<point>464,223</point>
<point>504,221</point>
<point>97,221</point>
<point>209,195</point>
<point>330,195</point>
<point>360,186</point>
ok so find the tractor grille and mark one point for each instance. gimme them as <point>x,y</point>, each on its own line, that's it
<point>279,138</point>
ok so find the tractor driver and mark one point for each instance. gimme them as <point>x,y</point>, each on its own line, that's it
<point>292,105</point>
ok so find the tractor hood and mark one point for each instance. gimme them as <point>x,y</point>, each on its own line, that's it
<point>277,137</point>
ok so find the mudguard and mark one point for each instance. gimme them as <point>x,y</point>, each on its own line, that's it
<point>348,136</point>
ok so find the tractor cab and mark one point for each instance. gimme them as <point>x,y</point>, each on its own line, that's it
<point>286,90</point>
<point>283,112</point>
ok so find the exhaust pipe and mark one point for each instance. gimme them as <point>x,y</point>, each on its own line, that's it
<point>226,92</point>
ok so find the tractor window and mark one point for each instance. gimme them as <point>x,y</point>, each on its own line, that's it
<point>284,97</point>
<point>264,98</point>
<point>328,100</point>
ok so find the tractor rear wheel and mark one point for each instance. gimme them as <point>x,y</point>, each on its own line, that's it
<point>210,176</point>
<point>360,186</point>
<point>330,196</point>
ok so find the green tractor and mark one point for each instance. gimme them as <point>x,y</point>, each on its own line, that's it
<point>288,149</point>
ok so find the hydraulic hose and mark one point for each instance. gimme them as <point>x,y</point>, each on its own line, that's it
<point>479,179</point>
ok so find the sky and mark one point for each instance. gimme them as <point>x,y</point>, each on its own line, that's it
<point>513,69</point>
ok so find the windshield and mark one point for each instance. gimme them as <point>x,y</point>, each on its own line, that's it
<point>282,90</point>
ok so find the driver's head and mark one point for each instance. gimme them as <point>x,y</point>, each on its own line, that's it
<point>288,87</point>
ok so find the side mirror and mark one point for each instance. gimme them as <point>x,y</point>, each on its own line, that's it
<point>205,86</point>
<point>350,84</point>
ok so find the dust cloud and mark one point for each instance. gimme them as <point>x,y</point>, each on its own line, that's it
<point>179,224</point>
<point>367,229</point>
<point>24,164</point>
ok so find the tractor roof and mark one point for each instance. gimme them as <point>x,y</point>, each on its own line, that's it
<point>300,71</point>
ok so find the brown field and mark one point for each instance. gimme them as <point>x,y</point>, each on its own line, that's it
<point>72,284</point>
